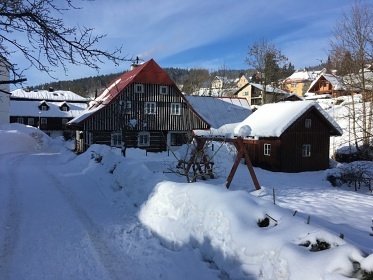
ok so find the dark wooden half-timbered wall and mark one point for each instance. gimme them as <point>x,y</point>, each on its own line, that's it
<point>117,117</point>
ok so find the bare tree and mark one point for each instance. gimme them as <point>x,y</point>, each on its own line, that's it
<point>267,60</point>
<point>352,51</point>
<point>28,27</point>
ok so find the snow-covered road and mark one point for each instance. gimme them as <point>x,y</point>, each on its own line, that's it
<point>52,228</point>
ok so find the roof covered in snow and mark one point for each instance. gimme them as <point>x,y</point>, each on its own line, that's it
<point>222,113</point>
<point>303,75</point>
<point>336,82</point>
<point>271,120</point>
<point>31,109</point>
<point>56,95</point>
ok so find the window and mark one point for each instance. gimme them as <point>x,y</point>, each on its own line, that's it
<point>150,108</point>
<point>308,123</point>
<point>139,88</point>
<point>116,139</point>
<point>293,85</point>
<point>267,149</point>
<point>20,120</point>
<point>30,121</point>
<point>177,139</point>
<point>163,89</point>
<point>306,150</point>
<point>44,108</point>
<point>175,109</point>
<point>43,121</point>
<point>143,139</point>
<point>64,108</point>
<point>128,107</point>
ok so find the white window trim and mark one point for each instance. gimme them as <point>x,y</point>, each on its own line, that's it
<point>161,88</point>
<point>116,139</point>
<point>267,149</point>
<point>149,110</point>
<point>139,138</point>
<point>43,121</point>
<point>20,120</point>
<point>43,108</point>
<point>306,150</point>
<point>139,88</point>
<point>308,123</point>
<point>173,109</point>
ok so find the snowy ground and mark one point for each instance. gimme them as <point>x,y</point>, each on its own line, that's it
<point>102,216</point>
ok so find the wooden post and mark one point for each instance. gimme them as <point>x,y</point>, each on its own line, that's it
<point>242,151</point>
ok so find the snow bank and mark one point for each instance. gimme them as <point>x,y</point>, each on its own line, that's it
<point>224,226</point>
<point>18,138</point>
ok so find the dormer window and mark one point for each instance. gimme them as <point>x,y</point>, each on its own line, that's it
<point>43,106</point>
<point>139,88</point>
<point>64,107</point>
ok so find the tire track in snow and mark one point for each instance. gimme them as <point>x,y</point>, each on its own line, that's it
<point>10,228</point>
<point>108,256</point>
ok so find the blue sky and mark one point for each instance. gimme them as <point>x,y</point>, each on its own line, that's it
<point>210,34</point>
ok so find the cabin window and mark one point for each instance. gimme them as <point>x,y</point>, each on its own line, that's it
<point>175,109</point>
<point>139,88</point>
<point>64,121</point>
<point>163,89</point>
<point>20,120</point>
<point>177,139</point>
<point>150,108</point>
<point>43,121</point>
<point>116,139</point>
<point>30,121</point>
<point>293,85</point>
<point>308,123</point>
<point>267,149</point>
<point>143,139</point>
<point>306,150</point>
<point>43,108</point>
<point>128,107</point>
<point>64,108</point>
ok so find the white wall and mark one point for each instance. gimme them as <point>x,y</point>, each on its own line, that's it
<point>4,98</point>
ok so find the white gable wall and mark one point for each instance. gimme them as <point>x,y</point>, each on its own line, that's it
<point>4,98</point>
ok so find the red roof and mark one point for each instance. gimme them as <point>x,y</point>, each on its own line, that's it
<point>147,73</point>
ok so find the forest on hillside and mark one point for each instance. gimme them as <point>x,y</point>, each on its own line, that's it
<point>191,79</point>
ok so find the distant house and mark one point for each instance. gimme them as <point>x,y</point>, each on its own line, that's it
<point>327,84</point>
<point>221,113</point>
<point>289,136</point>
<point>220,82</point>
<point>142,108</point>
<point>4,92</point>
<point>243,80</point>
<point>255,95</point>
<point>49,110</point>
<point>300,81</point>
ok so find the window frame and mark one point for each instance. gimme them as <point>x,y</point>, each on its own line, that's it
<point>267,149</point>
<point>43,121</point>
<point>306,150</point>
<point>43,107</point>
<point>161,88</point>
<point>140,138</point>
<point>30,121</point>
<point>307,123</point>
<point>20,120</point>
<point>139,88</point>
<point>175,109</point>
<point>148,110</point>
<point>116,139</point>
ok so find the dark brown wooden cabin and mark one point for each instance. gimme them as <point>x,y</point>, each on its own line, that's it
<point>143,108</point>
<point>302,146</point>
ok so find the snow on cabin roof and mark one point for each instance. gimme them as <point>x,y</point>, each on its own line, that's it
<point>57,95</point>
<point>31,109</point>
<point>221,113</point>
<point>337,82</point>
<point>271,120</point>
<point>303,75</point>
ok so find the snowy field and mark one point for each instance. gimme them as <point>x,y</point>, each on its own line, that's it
<point>102,216</point>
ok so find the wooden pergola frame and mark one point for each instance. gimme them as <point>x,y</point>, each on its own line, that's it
<point>241,146</point>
